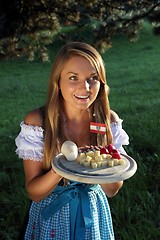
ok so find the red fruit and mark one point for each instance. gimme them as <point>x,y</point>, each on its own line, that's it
<point>114,151</point>
<point>104,151</point>
<point>110,148</point>
<point>116,155</point>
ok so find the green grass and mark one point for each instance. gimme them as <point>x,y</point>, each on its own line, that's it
<point>133,76</point>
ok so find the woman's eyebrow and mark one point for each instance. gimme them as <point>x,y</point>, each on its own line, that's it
<point>72,73</point>
<point>92,74</point>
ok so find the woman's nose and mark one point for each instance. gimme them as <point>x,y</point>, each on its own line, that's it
<point>85,85</point>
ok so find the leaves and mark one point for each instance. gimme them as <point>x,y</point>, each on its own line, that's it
<point>28,27</point>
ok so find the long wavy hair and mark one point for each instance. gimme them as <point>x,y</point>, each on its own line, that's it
<point>99,110</point>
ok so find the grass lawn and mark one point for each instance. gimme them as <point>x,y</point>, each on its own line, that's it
<point>133,74</point>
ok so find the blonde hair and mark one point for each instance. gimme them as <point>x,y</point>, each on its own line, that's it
<point>99,110</point>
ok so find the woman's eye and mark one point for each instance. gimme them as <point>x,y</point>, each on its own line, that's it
<point>73,78</point>
<point>93,78</point>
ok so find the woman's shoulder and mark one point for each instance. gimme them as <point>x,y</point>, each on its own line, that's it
<point>34,118</point>
<point>114,116</point>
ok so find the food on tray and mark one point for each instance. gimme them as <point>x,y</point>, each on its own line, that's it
<point>69,150</point>
<point>95,157</point>
<point>92,156</point>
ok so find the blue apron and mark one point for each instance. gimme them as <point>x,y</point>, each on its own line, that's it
<point>76,194</point>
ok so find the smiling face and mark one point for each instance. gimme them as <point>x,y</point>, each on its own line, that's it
<point>79,83</point>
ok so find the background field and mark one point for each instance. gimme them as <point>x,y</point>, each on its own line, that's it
<point>133,74</point>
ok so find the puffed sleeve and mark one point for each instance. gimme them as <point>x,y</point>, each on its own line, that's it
<point>120,137</point>
<point>30,142</point>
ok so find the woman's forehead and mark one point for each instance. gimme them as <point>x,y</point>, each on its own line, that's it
<point>78,63</point>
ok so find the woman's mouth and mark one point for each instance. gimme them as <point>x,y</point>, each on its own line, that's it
<point>82,96</point>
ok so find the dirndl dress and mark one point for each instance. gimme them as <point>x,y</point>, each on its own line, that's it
<point>76,211</point>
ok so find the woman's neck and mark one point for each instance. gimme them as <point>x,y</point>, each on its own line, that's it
<point>77,127</point>
<point>76,115</point>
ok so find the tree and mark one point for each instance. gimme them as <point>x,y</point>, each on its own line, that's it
<point>28,27</point>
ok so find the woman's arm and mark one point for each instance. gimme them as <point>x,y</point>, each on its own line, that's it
<point>111,189</point>
<point>38,184</point>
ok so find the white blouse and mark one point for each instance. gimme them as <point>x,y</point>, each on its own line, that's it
<point>30,141</point>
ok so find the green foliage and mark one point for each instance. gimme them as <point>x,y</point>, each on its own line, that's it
<point>133,75</point>
<point>28,27</point>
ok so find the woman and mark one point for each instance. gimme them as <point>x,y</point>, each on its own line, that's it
<point>78,95</point>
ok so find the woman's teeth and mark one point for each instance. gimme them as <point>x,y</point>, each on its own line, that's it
<point>82,97</point>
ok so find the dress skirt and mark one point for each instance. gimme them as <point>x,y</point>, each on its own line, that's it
<point>74,212</point>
